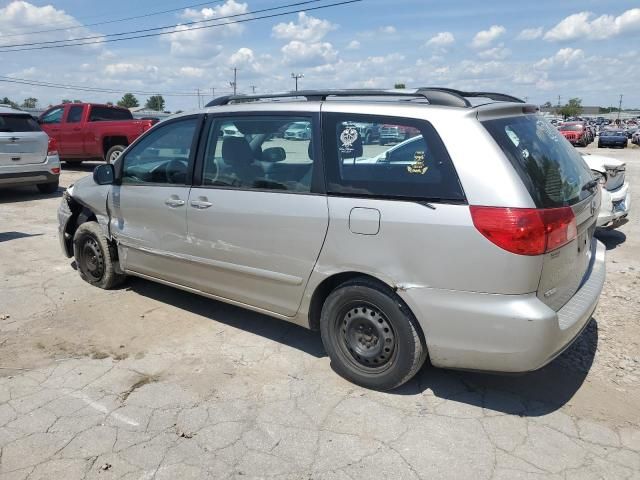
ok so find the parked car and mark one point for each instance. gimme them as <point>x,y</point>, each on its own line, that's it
<point>27,155</point>
<point>616,196</point>
<point>612,138</point>
<point>369,132</point>
<point>88,131</point>
<point>635,138</point>
<point>396,133</point>
<point>298,131</point>
<point>575,132</point>
<point>388,260</point>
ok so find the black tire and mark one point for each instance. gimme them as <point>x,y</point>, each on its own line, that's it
<point>367,139</point>
<point>599,145</point>
<point>113,153</point>
<point>95,257</point>
<point>371,336</point>
<point>48,187</point>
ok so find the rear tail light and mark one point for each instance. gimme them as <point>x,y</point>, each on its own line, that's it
<point>526,231</point>
<point>52,148</point>
<point>55,170</point>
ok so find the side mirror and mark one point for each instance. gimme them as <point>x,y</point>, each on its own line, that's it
<point>274,154</point>
<point>104,174</point>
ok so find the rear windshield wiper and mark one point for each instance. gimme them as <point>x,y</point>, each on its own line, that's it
<point>590,185</point>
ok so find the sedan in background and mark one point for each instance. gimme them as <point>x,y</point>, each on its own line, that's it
<point>612,138</point>
<point>616,197</point>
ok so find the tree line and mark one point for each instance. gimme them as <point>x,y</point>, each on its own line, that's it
<point>128,100</point>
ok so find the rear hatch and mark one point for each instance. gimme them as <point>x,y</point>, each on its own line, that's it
<point>556,176</point>
<point>22,142</point>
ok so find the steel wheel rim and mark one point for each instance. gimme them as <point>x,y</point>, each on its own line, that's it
<point>366,337</point>
<point>92,259</point>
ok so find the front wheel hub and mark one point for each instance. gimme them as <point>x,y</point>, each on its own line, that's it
<point>368,336</point>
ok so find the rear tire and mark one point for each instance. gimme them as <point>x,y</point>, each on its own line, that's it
<point>113,153</point>
<point>371,336</point>
<point>95,257</point>
<point>48,187</point>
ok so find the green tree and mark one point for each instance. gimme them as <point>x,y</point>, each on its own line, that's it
<point>399,85</point>
<point>129,100</point>
<point>30,102</point>
<point>65,100</point>
<point>547,105</point>
<point>572,108</point>
<point>77,101</point>
<point>7,101</point>
<point>155,102</point>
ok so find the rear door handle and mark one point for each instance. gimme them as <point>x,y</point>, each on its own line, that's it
<point>174,202</point>
<point>201,203</point>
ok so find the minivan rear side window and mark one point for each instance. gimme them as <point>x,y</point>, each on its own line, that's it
<point>406,159</point>
<point>18,123</point>
<point>550,167</point>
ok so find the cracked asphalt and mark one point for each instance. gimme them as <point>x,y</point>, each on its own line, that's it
<point>147,382</point>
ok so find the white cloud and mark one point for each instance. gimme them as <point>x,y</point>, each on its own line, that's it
<point>563,58</point>
<point>495,53</point>
<point>581,25</point>
<point>19,17</point>
<point>308,29</point>
<point>353,45</point>
<point>485,38</point>
<point>192,72</point>
<point>389,29</point>
<point>530,34</point>
<point>304,54</point>
<point>441,39</point>
<point>191,40</point>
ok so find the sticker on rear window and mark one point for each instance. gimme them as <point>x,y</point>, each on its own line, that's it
<point>347,138</point>
<point>418,166</point>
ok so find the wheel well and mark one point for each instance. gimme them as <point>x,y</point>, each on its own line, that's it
<point>109,142</point>
<point>325,288</point>
<point>81,214</point>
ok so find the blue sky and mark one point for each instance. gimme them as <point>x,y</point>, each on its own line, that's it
<point>535,49</point>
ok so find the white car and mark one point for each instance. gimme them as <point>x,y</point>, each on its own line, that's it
<point>616,197</point>
<point>27,155</point>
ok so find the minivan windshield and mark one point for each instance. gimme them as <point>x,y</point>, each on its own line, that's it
<point>552,170</point>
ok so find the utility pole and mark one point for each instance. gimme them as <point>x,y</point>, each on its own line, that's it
<point>198,92</point>
<point>213,92</point>
<point>296,77</point>
<point>253,88</point>
<point>234,84</point>
<point>619,108</point>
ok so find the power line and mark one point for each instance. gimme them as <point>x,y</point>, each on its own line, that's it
<point>155,29</point>
<point>122,19</point>
<point>79,88</point>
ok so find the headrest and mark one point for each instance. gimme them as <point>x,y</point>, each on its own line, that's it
<point>236,150</point>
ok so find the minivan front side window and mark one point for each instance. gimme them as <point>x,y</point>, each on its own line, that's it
<point>161,157</point>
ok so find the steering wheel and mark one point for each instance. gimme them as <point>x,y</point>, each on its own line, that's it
<point>175,171</point>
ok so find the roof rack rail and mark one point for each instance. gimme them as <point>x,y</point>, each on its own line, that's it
<point>498,97</point>
<point>435,96</point>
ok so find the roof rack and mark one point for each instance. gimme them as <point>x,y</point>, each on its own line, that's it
<point>435,96</point>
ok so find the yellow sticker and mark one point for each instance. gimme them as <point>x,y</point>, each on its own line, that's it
<point>418,167</point>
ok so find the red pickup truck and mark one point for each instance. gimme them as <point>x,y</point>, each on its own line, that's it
<point>87,131</point>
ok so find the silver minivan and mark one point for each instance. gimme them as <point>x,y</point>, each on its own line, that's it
<point>468,239</point>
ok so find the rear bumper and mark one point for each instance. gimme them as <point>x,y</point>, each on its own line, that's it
<point>503,333</point>
<point>31,174</point>
<point>615,206</point>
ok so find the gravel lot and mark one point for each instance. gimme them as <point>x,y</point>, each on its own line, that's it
<point>150,382</point>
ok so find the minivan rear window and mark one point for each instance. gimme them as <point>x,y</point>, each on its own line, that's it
<point>18,123</point>
<point>550,167</point>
